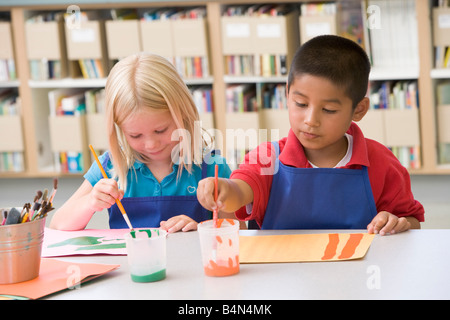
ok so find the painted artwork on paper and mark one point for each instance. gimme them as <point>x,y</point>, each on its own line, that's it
<point>84,242</point>
<point>303,247</point>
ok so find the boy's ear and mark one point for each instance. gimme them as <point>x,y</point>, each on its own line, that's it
<point>361,109</point>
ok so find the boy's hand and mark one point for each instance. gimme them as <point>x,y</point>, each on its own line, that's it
<point>205,193</point>
<point>232,194</point>
<point>104,194</point>
<point>385,222</point>
<point>177,223</point>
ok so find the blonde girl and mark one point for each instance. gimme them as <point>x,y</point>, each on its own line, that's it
<point>155,160</point>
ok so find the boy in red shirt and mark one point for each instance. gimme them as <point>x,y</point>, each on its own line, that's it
<point>324,174</point>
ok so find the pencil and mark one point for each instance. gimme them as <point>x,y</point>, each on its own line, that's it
<point>119,204</point>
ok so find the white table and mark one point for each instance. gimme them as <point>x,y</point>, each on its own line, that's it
<point>411,265</point>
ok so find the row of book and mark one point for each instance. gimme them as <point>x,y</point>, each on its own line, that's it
<point>9,102</point>
<point>393,95</point>
<point>76,102</point>
<point>440,31</point>
<point>257,10</point>
<point>188,66</point>
<point>392,33</point>
<point>10,161</point>
<point>203,99</point>
<point>92,68</point>
<point>265,65</point>
<point>7,70</point>
<point>241,98</point>
<point>67,102</point>
<point>173,14</point>
<point>442,58</point>
<point>251,97</point>
<point>73,102</point>
<point>191,67</point>
<point>398,95</point>
<point>443,110</point>
<point>273,96</point>
<point>246,48</point>
<point>44,69</point>
<point>409,157</point>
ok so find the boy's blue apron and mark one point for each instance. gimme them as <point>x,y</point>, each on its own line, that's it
<point>148,212</point>
<point>319,198</point>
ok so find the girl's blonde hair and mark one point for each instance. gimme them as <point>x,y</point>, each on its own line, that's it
<point>147,80</point>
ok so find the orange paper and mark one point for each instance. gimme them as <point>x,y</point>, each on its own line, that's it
<point>303,247</point>
<point>54,276</point>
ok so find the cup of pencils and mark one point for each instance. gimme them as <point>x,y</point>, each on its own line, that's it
<point>21,237</point>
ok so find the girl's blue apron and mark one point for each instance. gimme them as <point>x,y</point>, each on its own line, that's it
<point>148,212</point>
<point>319,198</point>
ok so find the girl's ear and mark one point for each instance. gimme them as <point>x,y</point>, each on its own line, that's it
<point>361,109</point>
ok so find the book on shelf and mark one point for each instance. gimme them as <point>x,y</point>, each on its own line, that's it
<point>7,70</point>
<point>189,62</point>
<point>203,99</point>
<point>441,41</point>
<point>67,103</point>
<point>87,44</point>
<point>397,95</point>
<point>246,31</point>
<point>317,19</point>
<point>272,96</point>
<point>241,98</point>
<point>393,38</point>
<point>11,160</point>
<point>94,100</point>
<point>7,64</point>
<point>45,65</point>
<point>443,121</point>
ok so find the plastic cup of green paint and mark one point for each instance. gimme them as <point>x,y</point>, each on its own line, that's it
<point>146,249</point>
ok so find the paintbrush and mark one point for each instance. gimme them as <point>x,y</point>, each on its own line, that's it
<point>55,188</point>
<point>216,182</point>
<point>119,204</point>
<point>36,204</point>
<point>25,215</point>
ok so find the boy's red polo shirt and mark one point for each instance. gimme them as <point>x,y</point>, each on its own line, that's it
<point>390,181</point>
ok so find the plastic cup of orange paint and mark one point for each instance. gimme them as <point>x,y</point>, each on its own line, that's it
<point>219,247</point>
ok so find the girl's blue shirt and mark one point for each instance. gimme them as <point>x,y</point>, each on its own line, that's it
<point>144,184</point>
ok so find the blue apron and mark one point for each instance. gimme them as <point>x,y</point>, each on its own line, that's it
<point>319,198</point>
<point>148,212</point>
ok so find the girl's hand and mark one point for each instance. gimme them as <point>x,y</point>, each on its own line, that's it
<point>177,223</point>
<point>385,222</point>
<point>104,194</point>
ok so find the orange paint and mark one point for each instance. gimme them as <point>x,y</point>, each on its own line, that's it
<point>230,243</point>
<point>222,268</point>
<point>219,222</point>
<point>330,250</point>
<point>219,239</point>
<point>230,221</point>
<point>351,245</point>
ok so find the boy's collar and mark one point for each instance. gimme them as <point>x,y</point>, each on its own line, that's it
<point>294,155</point>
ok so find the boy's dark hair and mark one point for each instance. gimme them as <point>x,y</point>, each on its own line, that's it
<point>338,59</point>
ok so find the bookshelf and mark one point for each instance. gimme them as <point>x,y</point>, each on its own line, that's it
<point>212,43</point>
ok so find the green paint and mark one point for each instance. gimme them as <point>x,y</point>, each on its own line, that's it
<point>90,243</point>
<point>103,246</point>
<point>156,276</point>
<point>79,241</point>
